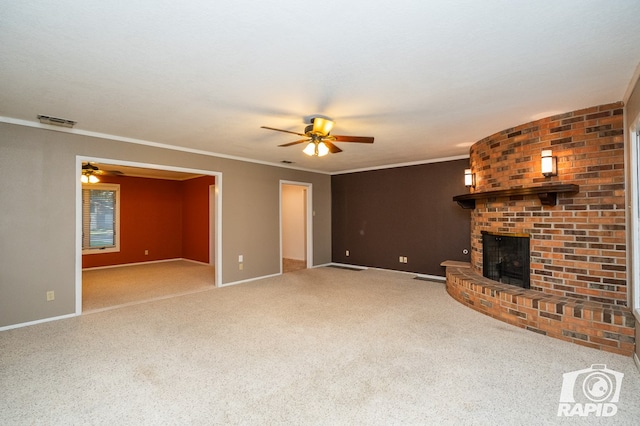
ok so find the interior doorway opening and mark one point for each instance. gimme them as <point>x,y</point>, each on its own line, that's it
<point>295,226</point>
<point>184,241</point>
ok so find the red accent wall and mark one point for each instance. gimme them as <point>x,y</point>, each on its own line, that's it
<point>195,218</point>
<point>153,214</point>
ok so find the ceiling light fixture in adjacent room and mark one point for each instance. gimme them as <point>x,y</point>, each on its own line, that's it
<point>88,177</point>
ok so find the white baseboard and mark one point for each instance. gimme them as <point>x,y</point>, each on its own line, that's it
<point>432,277</point>
<point>426,276</point>
<point>345,265</point>
<point>40,321</point>
<point>136,264</point>
<point>249,280</point>
<point>196,261</point>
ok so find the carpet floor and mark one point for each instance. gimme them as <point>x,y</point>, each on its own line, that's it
<point>316,346</point>
<point>131,284</point>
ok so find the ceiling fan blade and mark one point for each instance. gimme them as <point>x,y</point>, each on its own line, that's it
<point>280,130</point>
<point>295,143</point>
<point>332,148</point>
<point>89,166</point>
<point>359,139</point>
<point>110,172</point>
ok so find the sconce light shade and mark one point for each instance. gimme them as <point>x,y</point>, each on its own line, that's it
<point>549,163</point>
<point>469,178</point>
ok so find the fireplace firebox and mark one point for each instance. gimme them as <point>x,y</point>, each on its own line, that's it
<point>505,258</point>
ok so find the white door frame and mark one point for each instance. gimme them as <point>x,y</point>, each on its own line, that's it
<point>213,215</point>
<point>308,220</point>
<point>218,217</point>
<point>634,216</point>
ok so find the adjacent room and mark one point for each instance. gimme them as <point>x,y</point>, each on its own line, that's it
<point>339,213</point>
<point>146,234</point>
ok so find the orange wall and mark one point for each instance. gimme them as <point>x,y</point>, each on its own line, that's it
<point>152,217</point>
<point>195,218</point>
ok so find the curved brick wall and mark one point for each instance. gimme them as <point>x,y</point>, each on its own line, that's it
<point>578,247</point>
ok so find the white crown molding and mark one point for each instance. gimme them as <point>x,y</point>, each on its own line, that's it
<point>38,125</point>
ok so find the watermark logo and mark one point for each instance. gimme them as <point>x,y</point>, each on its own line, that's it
<point>592,391</point>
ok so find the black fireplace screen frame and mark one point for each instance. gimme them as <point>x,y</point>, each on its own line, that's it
<point>506,258</point>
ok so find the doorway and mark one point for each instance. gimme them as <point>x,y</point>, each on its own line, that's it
<point>295,226</point>
<point>195,187</point>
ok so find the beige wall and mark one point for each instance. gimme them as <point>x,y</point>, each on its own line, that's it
<point>38,218</point>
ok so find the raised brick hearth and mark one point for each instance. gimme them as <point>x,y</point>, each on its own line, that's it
<point>597,325</point>
<point>578,273</point>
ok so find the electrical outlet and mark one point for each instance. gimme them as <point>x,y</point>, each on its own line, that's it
<point>51,295</point>
<point>400,259</point>
<point>146,252</point>
<point>240,266</point>
<point>405,259</point>
<point>240,258</point>
<point>347,253</point>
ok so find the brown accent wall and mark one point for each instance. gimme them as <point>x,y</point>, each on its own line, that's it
<point>578,247</point>
<point>408,211</point>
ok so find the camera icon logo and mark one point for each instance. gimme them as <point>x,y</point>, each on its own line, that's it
<point>594,390</point>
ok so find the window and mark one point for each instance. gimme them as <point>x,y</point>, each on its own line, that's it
<point>100,218</point>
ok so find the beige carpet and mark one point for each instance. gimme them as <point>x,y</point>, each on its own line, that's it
<point>125,285</point>
<point>319,346</point>
<point>292,265</point>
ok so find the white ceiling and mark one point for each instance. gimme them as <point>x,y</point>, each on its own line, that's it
<point>426,78</point>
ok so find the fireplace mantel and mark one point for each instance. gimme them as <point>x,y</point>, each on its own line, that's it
<point>547,193</point>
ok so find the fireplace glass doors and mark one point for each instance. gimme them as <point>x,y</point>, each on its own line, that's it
<point>505,258</point>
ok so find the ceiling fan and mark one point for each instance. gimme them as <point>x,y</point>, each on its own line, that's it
<point>320,142</point>
<point>90,172</point>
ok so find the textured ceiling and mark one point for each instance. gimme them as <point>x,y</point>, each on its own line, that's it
<point>425,78</point>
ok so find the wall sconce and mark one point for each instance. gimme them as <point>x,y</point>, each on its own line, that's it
<point>549,163</point>
<point>469,178</point>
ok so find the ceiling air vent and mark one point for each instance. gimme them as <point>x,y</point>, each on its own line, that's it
<point>63,122</point>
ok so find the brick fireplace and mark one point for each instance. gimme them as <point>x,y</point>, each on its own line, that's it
<point>578,253</point>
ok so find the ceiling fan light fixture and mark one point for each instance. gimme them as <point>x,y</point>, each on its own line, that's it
<point>310,149</point>
<point>317,149</point>
<point>322,126</point>
<point>323,149</point>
